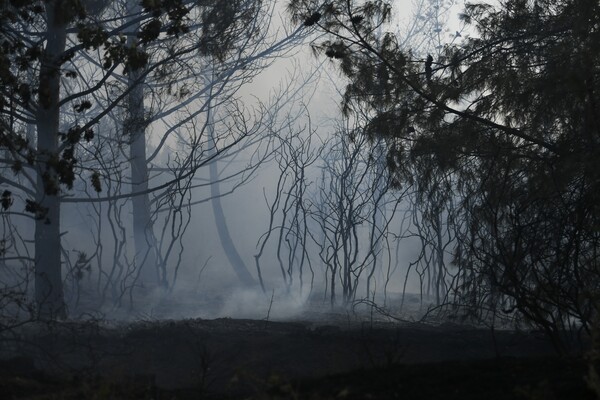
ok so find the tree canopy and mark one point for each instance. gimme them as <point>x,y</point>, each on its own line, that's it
<point>69,67</point>
<point>502,125</point>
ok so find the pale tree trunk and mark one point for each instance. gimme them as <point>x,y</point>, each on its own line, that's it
<point>48,275</point>
<point>143,234</point>
<point>233,256</point>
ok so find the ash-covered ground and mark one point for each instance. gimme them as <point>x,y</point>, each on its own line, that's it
<point>236,345</point>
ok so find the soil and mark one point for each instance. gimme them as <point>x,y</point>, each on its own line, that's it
<point>243,358</point>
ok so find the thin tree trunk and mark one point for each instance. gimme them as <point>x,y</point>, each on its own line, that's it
<point>49,294</point>
<point>440,284</point>
<point>233,256</point>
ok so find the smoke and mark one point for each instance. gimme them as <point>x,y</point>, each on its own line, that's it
<point>254,304</point>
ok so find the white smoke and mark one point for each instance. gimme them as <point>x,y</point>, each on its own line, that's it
<point>254,304</point>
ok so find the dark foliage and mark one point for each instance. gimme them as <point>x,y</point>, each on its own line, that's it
<point>505,127</point>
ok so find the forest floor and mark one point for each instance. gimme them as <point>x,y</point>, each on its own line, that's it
<point>331,358</point>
